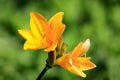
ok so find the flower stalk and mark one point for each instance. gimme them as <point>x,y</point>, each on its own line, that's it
<point>49,63</point>
<point>43,72</point>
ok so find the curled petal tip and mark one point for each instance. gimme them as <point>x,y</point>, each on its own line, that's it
<point>87,42</point>
<point>86,45</point>
<point>95,66</point>
<point>84,76</point>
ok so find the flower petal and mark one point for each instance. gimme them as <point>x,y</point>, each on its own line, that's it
<point>77,51</point>
<point>38,25</point>
<point>28,45</point>
<point>64,62</point>
<point>83,63</point>
<point>57,32</point>
<point>76,71</point>
<point>56,26</point>
<point>32,43</point>
<point>26,34</point>
<point>81,49</point>
<point>51,47</point>
<point>86,46</point>
<point>57,18</point>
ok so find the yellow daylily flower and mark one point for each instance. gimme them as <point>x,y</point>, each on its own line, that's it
<point>75,61</point>
<point>43,34</point>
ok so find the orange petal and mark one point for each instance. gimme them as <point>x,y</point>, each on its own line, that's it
<point>83,63</point>
<point>57,32</point>
<point>76,71</point>
<point>81,49</point>
<point>51,47</point>
<point>37,23</point>
<point>64,62</point>
<point>57,18</point>
<point>77,51</point>
<point>56,26</point>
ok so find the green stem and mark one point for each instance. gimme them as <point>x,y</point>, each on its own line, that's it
<point>43,72</point>
<point>49,64</point>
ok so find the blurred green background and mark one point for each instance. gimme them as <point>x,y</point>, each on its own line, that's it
<point>98,20</point>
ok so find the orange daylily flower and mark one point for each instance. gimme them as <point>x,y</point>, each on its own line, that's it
<point>74,62</point>
<point>43,34</point>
